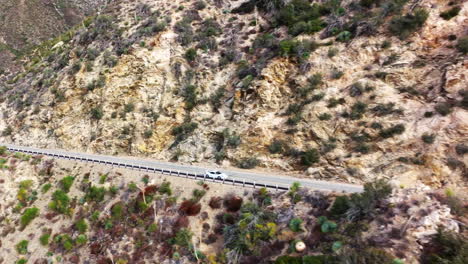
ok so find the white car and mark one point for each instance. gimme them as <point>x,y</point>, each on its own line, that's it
<point>216,175</point>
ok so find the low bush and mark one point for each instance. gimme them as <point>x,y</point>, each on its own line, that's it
<point>95,194</point>
<point>183,238</point>
<point>358,110</point>
<point>443,109</point>
<point>362,205</point>
<point>295,224</point>
<point>22,247</point>
<point>191,54</point>
<point>450,13</point>
<point>81,239</point>
<point>340,206</point>
<point>184,130</point>
<point>404,26</point>
<point>248,163</point>
<point>310,156</point>
<point>165,188</point>
<point>299,50</point>
<point>428,138</point>
<point>81,226</point>
<point>446,247</point>
<point>60,202</point>
<point>462,44</point>
<point>28,215</point>
<point>277,146</point>
<point>66,183</point>
<point>96,113</point>
<point>293,192</point>
<point>392,131</point>
<point>44,239</point>
<point>216,98</point>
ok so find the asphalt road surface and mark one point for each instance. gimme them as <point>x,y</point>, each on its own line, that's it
<point>174,168</point>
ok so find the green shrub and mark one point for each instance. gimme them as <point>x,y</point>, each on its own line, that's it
<point>128,108</point>
<point>46,187</point>
<point>443,109</point>
<point>310,157</point>
<point>191,54</point>
<point>21,261</point>
<point>362,205</point>
<point>81,226</point>
<point>165,188</point>
<point>299,50</point>
<point>215,99</point>
<point>7,131</point>
<point>392,131</point>
<point>65,241</point>
<point>75,68</point>
<point>95,216</point>
<point>366,255</point>
<point>428,138</point>
<point>403,26</point>
<point>449,14</point>
<point>28,215</point>
<point>462,44</point>
<point>3,150</point>
<point>199,5</point>
<point>325,116</point>
<point>451,248</point>
<point>277,146</point>
<point>81,239</point>
<point>22,247</point>
<point>132,187</point>
<point>44,239</point>
<point>295,224</point>
<point>358,110</point>
<point>332,52</point>
<point>198,194</point>
<point>182,131</point>
<point>117,211</point>
<point>288,260</point>
<point>60,202</point>
<point>66,183</point>
<point>96,113</point>
<point>102,178</point>
<point>248,163</point>
<point>183,238</point>
<point>293,192</point>
<point>148,133</point>
<point>368,3</point>
<point>340,206</point>
<point>96,194</point>
<point>326,225</point>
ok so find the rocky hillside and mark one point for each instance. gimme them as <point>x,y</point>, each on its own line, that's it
<point>342,90</point>
<point>55,211</point>
<point>24,24</point>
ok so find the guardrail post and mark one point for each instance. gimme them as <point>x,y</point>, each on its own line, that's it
<point>243,183</point>
<point>254,184</point>
<point>186,175</point>
<point>223,180</point>
<point>178,173</point>
<point>204,177</point>
<point>276,187</point>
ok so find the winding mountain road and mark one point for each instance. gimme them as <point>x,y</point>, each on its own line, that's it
<point>238,177</point>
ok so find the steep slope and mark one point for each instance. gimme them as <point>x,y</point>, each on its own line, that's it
<point>348,90</point>
<point>24,24</point>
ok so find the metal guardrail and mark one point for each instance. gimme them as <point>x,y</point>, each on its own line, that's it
<point>188,175</point>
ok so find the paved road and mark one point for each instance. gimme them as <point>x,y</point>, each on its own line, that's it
<point>238,175</point>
